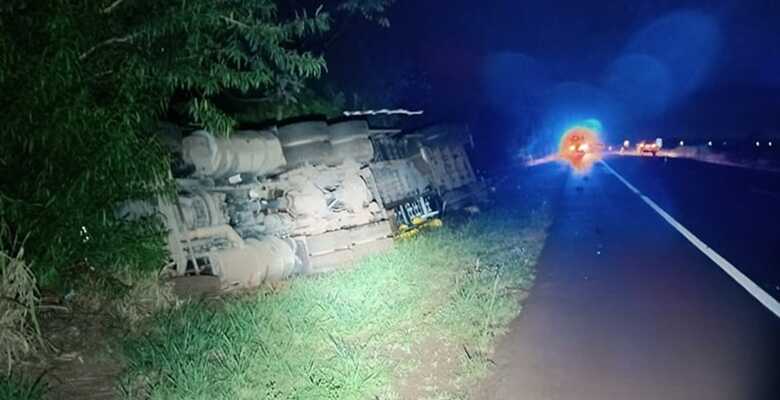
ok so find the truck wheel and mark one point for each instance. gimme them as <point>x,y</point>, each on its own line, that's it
<point>299,133</point>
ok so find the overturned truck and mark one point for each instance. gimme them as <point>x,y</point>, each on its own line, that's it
<point>307,197</point>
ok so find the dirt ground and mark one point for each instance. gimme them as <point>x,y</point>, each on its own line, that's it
<point>436,366</point>
<point>81,361</point>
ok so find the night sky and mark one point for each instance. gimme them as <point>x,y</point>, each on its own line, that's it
<point>521,72</point>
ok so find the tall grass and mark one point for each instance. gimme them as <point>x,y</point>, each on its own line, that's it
<point>19,331</point>
<point>335,336</point>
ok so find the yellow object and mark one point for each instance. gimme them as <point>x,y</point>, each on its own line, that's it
<point>406,232</point>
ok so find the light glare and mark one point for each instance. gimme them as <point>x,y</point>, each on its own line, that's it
<point>580,147</point>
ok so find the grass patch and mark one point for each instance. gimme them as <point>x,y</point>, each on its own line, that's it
<point>14,387</point>
<point>353,334</point>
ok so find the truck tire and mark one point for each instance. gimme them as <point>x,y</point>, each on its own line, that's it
<point>348,130</point>
<point>303,133</point>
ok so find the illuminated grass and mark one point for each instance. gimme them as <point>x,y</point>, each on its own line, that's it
<point>351,334</point>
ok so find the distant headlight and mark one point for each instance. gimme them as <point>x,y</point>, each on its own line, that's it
<point>584,147</point>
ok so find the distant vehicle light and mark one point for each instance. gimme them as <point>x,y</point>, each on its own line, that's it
<point>626,143</point>
<point>610,148</point>
<point>572,148</point>
<point>682,143</point>
<point>758,144</point>
<point>709,143</point>
<point>584,147</point>
<point>648,148</point>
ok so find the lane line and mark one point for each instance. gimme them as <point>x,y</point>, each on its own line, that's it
<point>759,294</point>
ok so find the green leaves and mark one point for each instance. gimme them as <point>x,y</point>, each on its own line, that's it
<point>372,10</point>
<point>75,144</point>
<point>206,47</point>
<point>204,113</point>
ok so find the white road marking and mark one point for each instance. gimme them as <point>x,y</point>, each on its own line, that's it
<point>763,297</point>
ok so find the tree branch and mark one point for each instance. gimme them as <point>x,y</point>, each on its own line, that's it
<point>107,42</point>
<point>112,7</point>
<point>234,22</point>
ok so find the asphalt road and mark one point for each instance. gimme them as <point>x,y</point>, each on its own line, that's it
<point>625,307</point>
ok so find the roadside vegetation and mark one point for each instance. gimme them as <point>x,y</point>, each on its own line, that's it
<point>19,330</point>
<point>416,322</point>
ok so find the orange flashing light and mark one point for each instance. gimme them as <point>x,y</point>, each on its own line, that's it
<point>581,148</point>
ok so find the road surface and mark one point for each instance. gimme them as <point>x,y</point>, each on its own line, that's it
<point>626,307</point>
